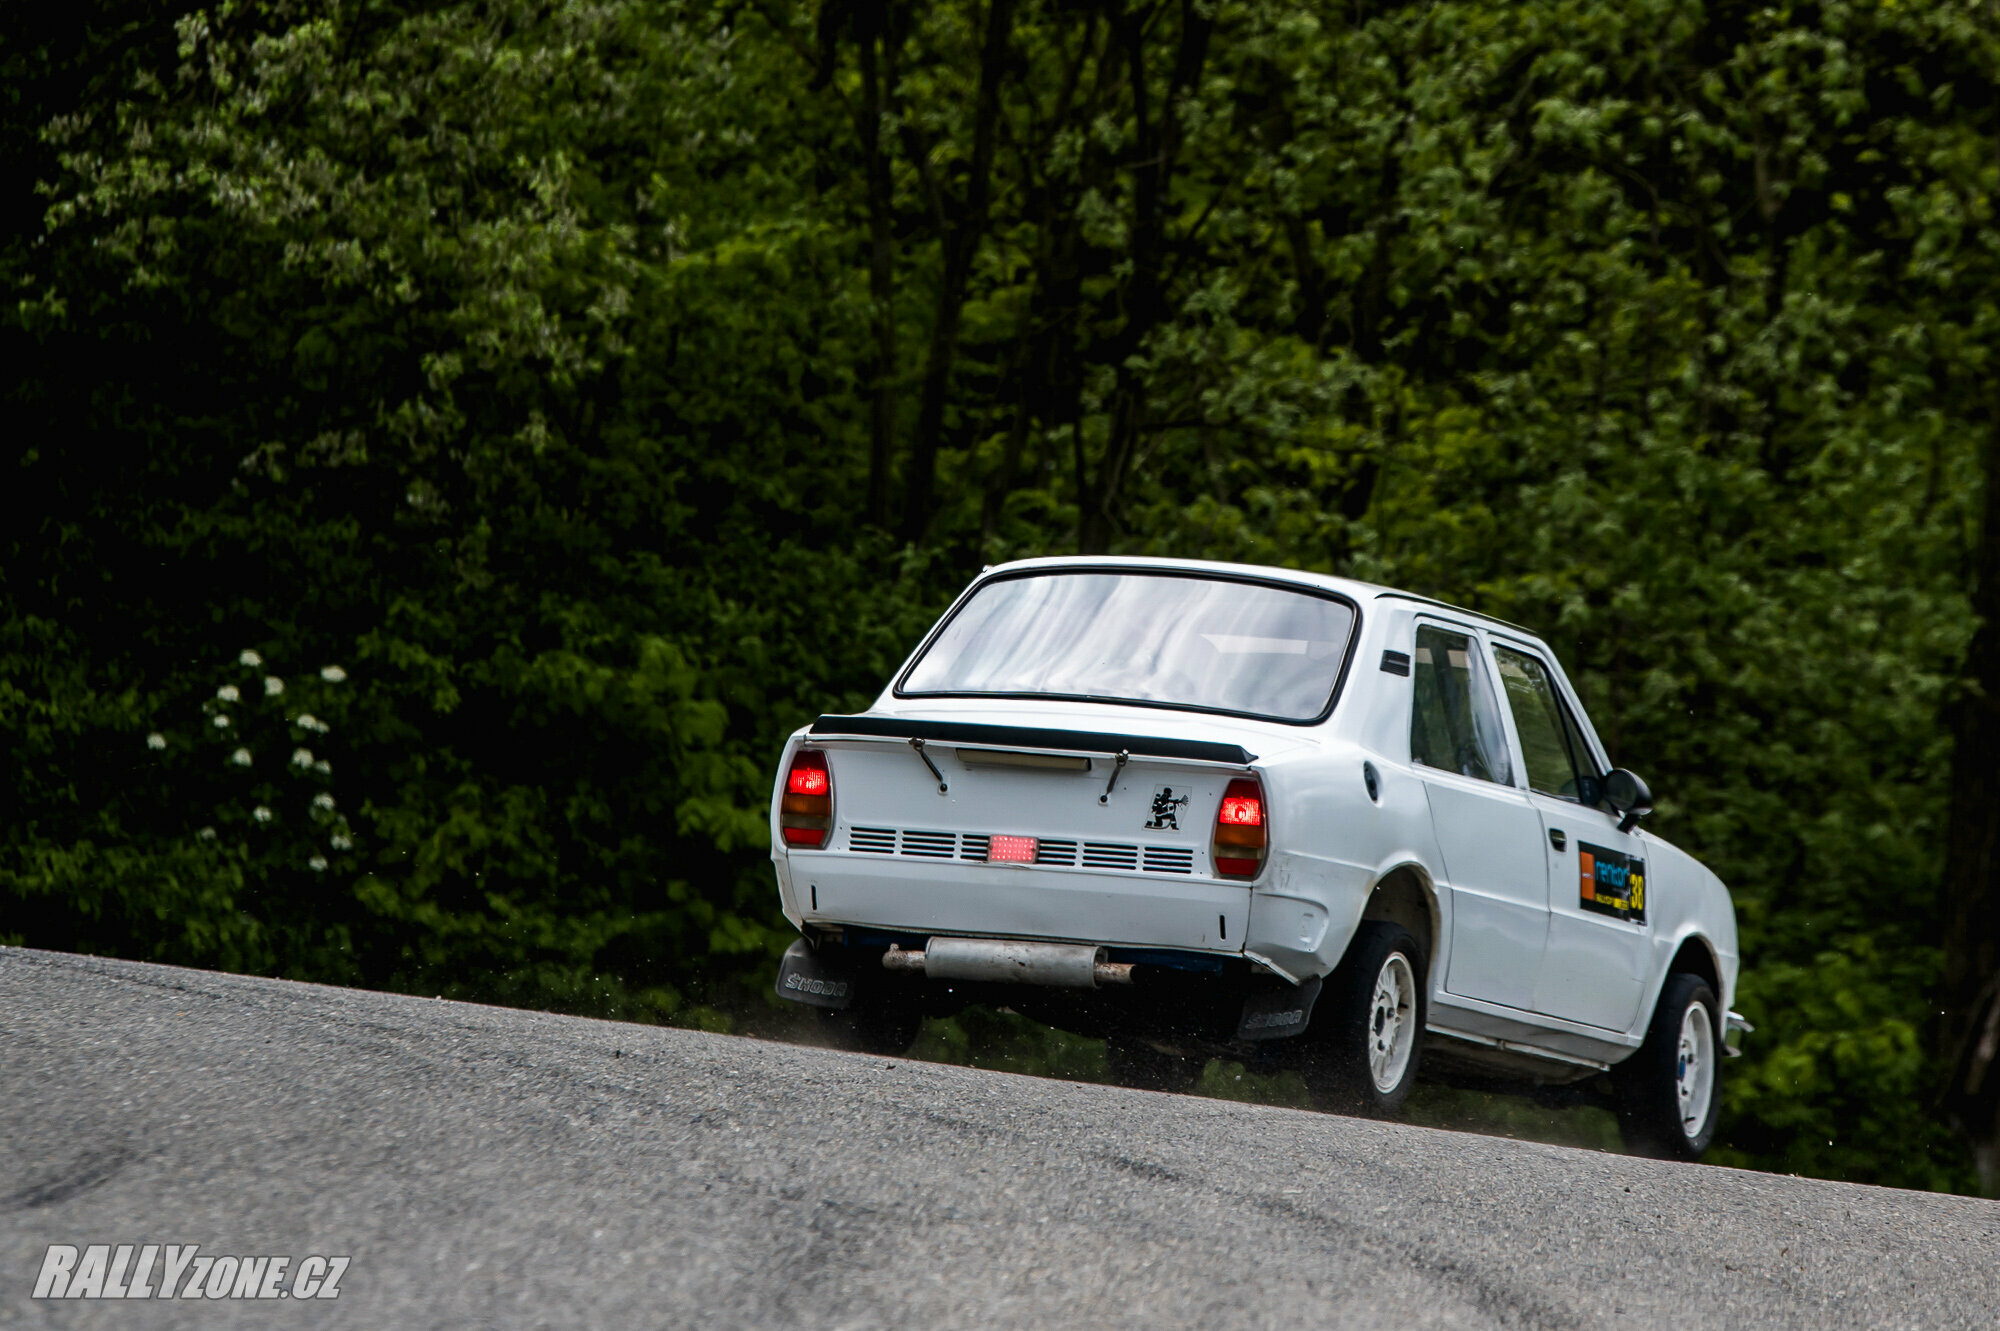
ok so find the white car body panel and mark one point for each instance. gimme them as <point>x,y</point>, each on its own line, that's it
<point>1515,959</point>
<point>1490,848</point>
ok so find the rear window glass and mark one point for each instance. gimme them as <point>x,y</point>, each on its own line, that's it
<point>1155,639</point>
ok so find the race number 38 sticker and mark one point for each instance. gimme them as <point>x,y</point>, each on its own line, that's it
<point>1611,883</point>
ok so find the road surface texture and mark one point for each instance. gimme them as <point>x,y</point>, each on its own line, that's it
<point>488,1167</point>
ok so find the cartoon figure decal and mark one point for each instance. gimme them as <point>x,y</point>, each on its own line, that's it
<point>1166,810</point>
<point>1611,882</point>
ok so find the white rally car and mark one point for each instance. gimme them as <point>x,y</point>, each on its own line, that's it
<point>1220,810</point>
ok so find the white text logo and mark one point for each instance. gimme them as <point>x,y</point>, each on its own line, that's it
<point>183,1271</point>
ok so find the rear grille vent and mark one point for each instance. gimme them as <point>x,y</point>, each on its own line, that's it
<point>1056,852</point>
<point>1098,855</point>
<point>973,846</point>
<point>872,840</point>
<point>931,845</point>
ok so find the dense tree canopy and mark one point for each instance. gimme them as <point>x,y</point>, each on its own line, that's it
<point>456,442</point>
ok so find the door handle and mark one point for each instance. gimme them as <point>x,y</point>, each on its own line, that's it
<point>1557,839</point>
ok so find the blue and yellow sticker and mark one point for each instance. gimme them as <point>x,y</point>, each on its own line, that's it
<point>1611,882</point>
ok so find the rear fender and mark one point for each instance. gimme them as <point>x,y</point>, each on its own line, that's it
<point>1302,923</point>
<point>1404,893</point>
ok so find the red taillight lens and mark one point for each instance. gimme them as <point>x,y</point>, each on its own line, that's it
<point>808,775</point>
<point>805,816</point>
<point>1240,833</point>
<point>1242,810</point>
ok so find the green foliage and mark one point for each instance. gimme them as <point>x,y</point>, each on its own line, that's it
<point>541,363</point>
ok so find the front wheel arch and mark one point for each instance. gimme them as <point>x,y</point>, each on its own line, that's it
<point>1697,957</point>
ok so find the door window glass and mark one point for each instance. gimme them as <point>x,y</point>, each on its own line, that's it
<point>1551,748</point>
<point>1455,719</point>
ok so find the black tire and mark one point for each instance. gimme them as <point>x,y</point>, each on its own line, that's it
<point>1340,1067</point>
<point>876,1024</point>
<point>1651,1116</point>
<point>1143,1068</point>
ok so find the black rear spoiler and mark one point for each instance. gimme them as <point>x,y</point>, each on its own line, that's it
<point>1028,737</point>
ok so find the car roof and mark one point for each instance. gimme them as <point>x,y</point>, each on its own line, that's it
<point>1349,587</point>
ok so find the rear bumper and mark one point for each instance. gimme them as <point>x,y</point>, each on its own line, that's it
<point>896,895</point>
<point>1199,1004</point>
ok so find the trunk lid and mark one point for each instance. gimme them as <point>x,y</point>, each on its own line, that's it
<point>941,781</point>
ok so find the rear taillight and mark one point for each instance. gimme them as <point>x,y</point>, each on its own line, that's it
<point>806,814</point>
<point>1240,829</point>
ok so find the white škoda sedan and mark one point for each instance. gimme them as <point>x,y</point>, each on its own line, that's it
<point>1218,810</point>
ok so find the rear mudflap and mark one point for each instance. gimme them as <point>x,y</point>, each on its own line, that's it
<point>1273,1010</point>
<point>805,976</point>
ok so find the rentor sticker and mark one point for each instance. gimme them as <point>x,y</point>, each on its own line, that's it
<point>1611,882</point>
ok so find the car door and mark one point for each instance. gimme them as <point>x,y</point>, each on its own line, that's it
<point>1593,965</point>
<point>1488,834</point>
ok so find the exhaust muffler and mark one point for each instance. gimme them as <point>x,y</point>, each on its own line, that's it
<point>1007,961</point>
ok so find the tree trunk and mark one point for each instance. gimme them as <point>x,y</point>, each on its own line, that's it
<point>1969,1017</point>
<point>1157,147</point>
<point>961,237</point>
<point>1969,998</point>
<point>874,29</point>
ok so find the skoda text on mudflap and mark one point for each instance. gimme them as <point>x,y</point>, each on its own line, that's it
<point>1208,810</point>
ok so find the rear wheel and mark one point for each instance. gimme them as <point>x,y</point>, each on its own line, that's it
<point>1144,1068</point>
<point>1669,1092</point>
<point>1368,1032</point>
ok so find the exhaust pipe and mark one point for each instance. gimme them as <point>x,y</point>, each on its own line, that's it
<point>1005,961</point>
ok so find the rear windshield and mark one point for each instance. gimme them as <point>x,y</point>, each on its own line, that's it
<point>1154,639</point>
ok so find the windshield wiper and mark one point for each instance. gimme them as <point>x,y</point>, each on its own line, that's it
<point>918,744</point>
<point>1116,768</point>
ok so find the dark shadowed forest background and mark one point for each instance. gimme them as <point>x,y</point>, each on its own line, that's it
<point>450,444</point>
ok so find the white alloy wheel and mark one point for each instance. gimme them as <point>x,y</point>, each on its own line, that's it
<point>1392,1022</point>
<point>1694,1069</point>
<point>1669,1091</point>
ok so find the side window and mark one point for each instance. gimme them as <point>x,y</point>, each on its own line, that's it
<point>1455,719</point>
<point>1551,747</point>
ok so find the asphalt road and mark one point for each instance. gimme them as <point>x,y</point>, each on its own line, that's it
<point>487,1167</point>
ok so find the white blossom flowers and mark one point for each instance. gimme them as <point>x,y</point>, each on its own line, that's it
<point>273,686</point>
<point>222,723</point>
<point>228,693</point>
<point>323,767</point>
<point>323,802</point>
<point>302,757</point>
<point>317,864</point>
<point>206,834</point>
<point>332,674</point>
<point>241,757</point>
<point>341,841</point>
<point>307,721</point>
<point>261,814</point>
<point>156,740</point>
<point>251,659</point>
